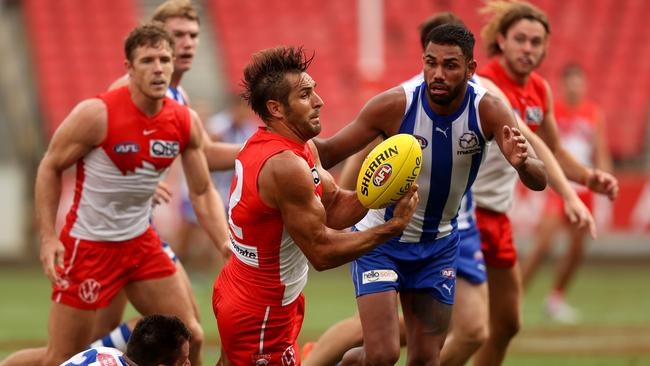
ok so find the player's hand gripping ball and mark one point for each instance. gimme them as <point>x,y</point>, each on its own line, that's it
<point>388,171</point>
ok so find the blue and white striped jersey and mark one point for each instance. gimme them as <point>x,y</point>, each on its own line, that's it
<point>176,94</point>
<point>453,148</point>
<point>97,356</point>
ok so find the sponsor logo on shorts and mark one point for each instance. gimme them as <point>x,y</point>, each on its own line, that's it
<point>89,290</point>
<point>262,359</point>
<point>448,273</point>
<point>127,147</point>
<point>468,144</point>
<point>245,253</point>
<point>379,275</point>
<point>288,357</point>
<point>164,149</point>
<point>448,288</point>
<point>382,175</point>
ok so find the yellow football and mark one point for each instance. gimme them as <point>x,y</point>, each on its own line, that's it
<point>388,171</point>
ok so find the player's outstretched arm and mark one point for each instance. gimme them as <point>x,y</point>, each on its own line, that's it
<point>286,183</point>
<point>205,199</point>
<point>381,115</point>
<point>498,121</point>
<point>82,130</point>
<point>220,155</point>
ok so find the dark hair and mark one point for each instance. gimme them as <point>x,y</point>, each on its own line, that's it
<point>571,69</point>
<point>445,17</point>
<point>504,15</point>
<point>454,35</point>
<point>148,34</point>
<point>157,339</point>
<point>265,76</point>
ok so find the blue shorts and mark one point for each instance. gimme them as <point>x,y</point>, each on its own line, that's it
<point>471,265</point>
<point>429,266</point>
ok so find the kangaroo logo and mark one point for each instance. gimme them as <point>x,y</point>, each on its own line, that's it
<point>447,287</point>
<point>444,132</point>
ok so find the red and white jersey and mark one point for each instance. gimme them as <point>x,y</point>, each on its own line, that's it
<point>116,180</point>
<point>494,185</point>
<point>267,267</point>
<point>577,126</point>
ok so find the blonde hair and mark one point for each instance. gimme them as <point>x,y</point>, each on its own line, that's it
<point>505,13</point>
<point>175,9</point>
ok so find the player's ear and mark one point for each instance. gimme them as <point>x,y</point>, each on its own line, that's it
<point>128,65</point>
<point>275,108</point>
<point>501,40</point>
<point>471,68</point>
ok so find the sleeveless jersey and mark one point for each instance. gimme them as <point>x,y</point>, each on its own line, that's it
<point>267,267</point>
<point>577,127</point>
<point>496,180</point>
<point>97,356</point>
<point>453,148</point>
<point>116,180</point>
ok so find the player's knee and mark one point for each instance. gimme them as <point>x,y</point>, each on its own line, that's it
<point>383,356</point>
<point>508,328</point>
<point>475,335</point>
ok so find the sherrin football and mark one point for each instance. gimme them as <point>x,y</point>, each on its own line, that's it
<point>388,171</point>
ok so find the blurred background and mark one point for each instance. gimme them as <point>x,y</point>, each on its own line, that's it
<point>54,53</point>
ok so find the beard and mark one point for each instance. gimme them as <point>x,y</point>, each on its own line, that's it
<point>452,94</point>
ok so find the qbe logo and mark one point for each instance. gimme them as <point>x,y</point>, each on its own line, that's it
<point>164,149</point>
<point>382,175</point>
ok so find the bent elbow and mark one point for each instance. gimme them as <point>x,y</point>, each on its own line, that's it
<point>320,264</point>
<point>538,184</point>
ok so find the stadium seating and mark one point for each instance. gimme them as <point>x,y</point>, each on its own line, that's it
<point>76,48</point>
<point>605,36</point>
<point>608,37</point>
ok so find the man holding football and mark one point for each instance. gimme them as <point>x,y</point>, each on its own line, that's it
<point>454,121</point>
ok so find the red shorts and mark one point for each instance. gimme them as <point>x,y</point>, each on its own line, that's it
<point>496,238</point>
<point>555,206</point>
<point>94,272</point>
<point>256,335</point>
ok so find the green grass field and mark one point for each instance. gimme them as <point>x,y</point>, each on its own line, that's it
<point>613,299</point>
